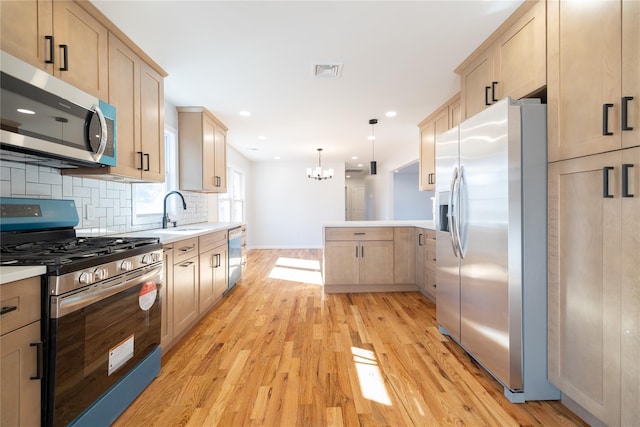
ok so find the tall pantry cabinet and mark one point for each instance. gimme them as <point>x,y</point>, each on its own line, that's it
<point>594,205</point>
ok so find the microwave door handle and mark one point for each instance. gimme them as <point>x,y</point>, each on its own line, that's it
<point>104,133</point>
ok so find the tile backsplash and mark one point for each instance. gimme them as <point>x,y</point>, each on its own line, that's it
<point>104,207</point>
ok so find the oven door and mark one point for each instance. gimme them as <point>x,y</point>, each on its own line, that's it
<point>96,336</point>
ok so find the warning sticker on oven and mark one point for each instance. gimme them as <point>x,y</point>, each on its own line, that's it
<point>120,354</point>
<point>148,295</point>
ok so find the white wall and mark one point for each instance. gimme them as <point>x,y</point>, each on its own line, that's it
<point>287,209</point>
<point>409,203</point>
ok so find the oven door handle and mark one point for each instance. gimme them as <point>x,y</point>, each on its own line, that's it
<point>65,304</point>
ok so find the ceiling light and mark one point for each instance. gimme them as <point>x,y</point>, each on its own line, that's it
<point>348,176</point>
<point>390,114</point>
<point>318,173</point>
<point>360,165</point>
<point>331,71</point>
<point>354,158</point>
<point>277,157</point>
<point>25,111</point>
<point>374,166</point>
<point>245,113</point>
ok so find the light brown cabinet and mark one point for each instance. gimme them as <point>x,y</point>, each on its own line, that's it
<point>594,242</point>
<point>21,353</point>
<point>436,123</point>
<point>425,241</point>
<point>594,77</point>
<point>213,269</point>
<point>203,148</point>
<point>404,255</point>
<point>185,285</point>
<point>358,256</point>
<point>512,62</point>
<point>59,37</point>
<point>166,328</point>
<point>137,92</point>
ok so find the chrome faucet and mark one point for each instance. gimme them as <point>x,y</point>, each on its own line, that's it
<point>165,217</point>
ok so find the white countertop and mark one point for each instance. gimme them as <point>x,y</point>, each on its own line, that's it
<point>171,234</point>
<point>403,223</point>
<point>11,274</point>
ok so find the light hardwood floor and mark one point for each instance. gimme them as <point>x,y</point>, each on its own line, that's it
<point>278,352</point>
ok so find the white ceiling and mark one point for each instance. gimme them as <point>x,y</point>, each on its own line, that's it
<point>258,56</point>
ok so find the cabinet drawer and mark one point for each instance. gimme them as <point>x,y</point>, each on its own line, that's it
<point>212,240</point>
<point>185,249</point>
<point>24,295</point>
<point>359,233</point>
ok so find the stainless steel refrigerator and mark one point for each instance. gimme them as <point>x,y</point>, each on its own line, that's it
<point>491,258</point>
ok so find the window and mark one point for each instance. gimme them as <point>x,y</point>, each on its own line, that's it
<point>147,199</point>
<point>231,204</point>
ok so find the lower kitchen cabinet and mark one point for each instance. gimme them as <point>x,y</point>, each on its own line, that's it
<point>21,356</point>
<point>594,278</point>
<point>404,255</point>
<point>213,269</point>
<point>358,256</point>
<point>166,328</point>
<point>426,262</point>
<point>185,285</point>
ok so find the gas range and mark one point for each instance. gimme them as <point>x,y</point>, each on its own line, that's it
<point>101,309</point>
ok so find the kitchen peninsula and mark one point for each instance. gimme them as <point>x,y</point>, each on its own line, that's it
<point>379,256</point>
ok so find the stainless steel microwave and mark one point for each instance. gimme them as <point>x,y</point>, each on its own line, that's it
<point>46,121</point>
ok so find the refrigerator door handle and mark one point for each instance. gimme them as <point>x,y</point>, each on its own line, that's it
<point>456,230</point>
<point>451,214</point>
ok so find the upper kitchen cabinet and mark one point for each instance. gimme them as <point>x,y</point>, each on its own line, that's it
<point>441,120</point>
<point>136,90</point>
<point>60,37</point>
<point>593,77</point>
<point>512,62</point>
<point>203,151</point>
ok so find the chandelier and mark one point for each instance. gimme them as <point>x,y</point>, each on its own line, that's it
<point>318,173</point>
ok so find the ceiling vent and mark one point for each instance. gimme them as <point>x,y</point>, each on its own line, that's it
<point>327,71</point>
<point>354,170</point>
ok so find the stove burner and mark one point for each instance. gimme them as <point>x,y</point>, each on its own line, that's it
<point>68,250</point>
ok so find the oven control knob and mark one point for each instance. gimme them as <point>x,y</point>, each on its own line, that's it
<point>101,273</point>
<point>86,278</point>
<point>126,265</point>
<point>150,258</point>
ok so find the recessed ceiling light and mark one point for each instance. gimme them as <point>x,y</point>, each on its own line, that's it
<point>262,137</point>
<point>348,176</point>
<point>390,114</point>
<point>371,137</point>
<point>25,111</point>
<point>277,157</point>
<point>245,113</point>
<point>354,158</point>
<point>360,165</point>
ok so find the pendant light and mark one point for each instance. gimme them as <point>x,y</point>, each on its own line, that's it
<point>318,173</point>
<point>374,167</point>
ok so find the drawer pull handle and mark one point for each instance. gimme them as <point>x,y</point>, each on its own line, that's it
<point>39,358</point>
<point>187,248</point>
<point>8,309</point>
<point>359,234</point>
<point>186,264</point>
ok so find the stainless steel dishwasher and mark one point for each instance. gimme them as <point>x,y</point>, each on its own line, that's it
<point>235,256</point>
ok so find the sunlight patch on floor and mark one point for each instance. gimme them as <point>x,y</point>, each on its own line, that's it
<point>370,377</point>
<point>297,270</point>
